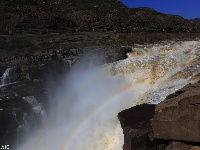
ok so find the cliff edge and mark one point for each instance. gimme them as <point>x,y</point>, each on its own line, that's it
<point>173,125</point>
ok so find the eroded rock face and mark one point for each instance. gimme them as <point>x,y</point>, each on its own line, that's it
<point>21,111</point>
<point>177,118</point>
<point>181,146</point>
<point>136,127</point>
<point>17,117</point>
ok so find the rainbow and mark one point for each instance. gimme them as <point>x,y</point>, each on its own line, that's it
<point>83,123</point>
<point>86,120</point>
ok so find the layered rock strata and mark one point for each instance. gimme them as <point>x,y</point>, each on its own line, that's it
<point>172,124</point>
<point>181,146</point>
<point>177,118</point>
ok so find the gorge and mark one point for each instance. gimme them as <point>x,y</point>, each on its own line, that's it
<point>84,111</point>
<point>80,74</point>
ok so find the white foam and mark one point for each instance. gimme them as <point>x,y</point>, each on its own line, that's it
<point>84,109</point>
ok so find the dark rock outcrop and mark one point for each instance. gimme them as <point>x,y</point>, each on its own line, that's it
<point>23,104</point>
<point>136,127</point>
<point>21,111</point>
<point>32,17</point>
<point>178,118</point>
<point>172,124</point>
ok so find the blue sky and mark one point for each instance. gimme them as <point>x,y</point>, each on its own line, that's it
<point>186,8</point>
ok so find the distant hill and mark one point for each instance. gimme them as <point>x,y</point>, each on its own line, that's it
<point>49,16</point>
<point>196,20</point>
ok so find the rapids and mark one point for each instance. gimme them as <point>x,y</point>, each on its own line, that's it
<point>84,109</point>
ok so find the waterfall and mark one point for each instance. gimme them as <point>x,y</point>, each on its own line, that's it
<point>36,106</point>
<point>10,75</point>
<point>5,79</point>
<point>84,109</point>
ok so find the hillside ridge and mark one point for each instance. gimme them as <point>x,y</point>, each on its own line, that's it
<point>61,16</point>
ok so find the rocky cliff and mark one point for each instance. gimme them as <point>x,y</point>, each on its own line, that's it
<point>177,118</point>
<point>24,100</point>
<point>47,25</point>
<point>40,37</point>
<point>58,16</point>
<point>172,125</point>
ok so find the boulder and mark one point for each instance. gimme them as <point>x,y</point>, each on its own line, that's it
<point>137,128</point>
<point>177,118</point>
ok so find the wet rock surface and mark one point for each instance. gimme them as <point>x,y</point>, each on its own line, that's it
<point>136,127</point>
<point>24,100</point>
<point>21,109</point>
